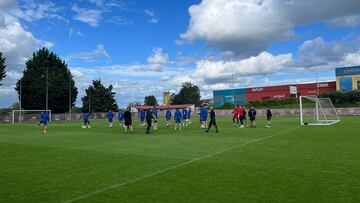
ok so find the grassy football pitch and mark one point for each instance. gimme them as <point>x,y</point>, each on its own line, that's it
<point>286,163</point>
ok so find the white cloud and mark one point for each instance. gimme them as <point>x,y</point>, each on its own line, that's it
<point>33,11</point>
<point>97,2</point>
<point>212,72</point>
<point>7,4</point>
<point>352,59</point>
<point>248,27</point>
<point>91,56</point>
<point>103,11</point>
<point>346,21</point>
<point>47,44</point>
<point>74,32</point>
<point>152,18</point>
<point>318,52</point>
<point>319,55</point>
<point>118,20</point>
<point>157,61</point>
<point>15,42</point>
<point>77,73</point>
<point>91,17</point>
<point>158,57</point>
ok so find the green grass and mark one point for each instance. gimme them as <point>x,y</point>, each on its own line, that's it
<point>286,163</point>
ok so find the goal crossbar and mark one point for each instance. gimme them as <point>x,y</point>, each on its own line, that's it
<point>323,111</point>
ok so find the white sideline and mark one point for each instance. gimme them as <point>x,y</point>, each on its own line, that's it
<point>172,167</point>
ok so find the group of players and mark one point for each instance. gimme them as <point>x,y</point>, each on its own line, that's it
<point>239,116</point>
<point>150,118</point>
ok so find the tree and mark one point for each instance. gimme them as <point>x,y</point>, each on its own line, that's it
<point>2,68</point>
<point>150,101</point>
<point>188,94</point>
<point>44,68</point>
<point>101,98</point>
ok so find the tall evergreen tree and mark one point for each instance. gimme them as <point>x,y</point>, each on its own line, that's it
<point>101,98</point>
<point>2,68</point>
<point>150,101</point>
<point>44,69</point>
<point>188,94</point>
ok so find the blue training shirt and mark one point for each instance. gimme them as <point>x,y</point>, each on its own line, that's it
<point>168,115</point>
<point>142,114</point>
<point>155,112</point>
<point>110,115</point>
<point>120,116</point>
<point>184,114</point>
<point>44,117</point>
<point>189,114</point>
<point>177,116</point>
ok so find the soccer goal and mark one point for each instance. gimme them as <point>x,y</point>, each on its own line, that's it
<point>28,116</point>
<point>317,111</point>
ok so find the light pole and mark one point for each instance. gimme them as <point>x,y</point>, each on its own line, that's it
<point>89,99</point>
<point>47,88</point>
<point>317,84</point>
<point>70,95</point>
<point>232,76</point>
<point>22,69</point>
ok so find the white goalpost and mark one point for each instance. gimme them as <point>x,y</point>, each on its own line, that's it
<point>28,116</point>
<point>317,111</point>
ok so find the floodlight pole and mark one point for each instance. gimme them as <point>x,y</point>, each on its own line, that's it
<point>70,95</point>
<point>317,84</point>
<point>233,88</point>
<point>301,112</point>
<point>20,95</point>
<point>47,88</point>
<point>89,99</point>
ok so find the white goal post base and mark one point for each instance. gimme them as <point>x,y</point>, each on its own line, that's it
<point>317,111</point>
<point>324,123</point>
<point>28,116</point>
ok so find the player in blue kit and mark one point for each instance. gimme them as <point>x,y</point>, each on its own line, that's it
<point>188,116</point>
<point>156,118</point>
<point>44,118</point>
<point>184,116</point>
<point>199,113</point>
<point>121,118</point>
<point>203,117</point>
<point>168,117</point>
<point>110,116</point>
<point>86,118</point>
<point>142,117</point>
<point>178,119</point>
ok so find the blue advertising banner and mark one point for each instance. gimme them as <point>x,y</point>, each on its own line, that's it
<point>346,84</point>
<point>355,70</point>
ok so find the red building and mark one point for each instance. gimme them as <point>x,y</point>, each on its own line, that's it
<point>288,91</point>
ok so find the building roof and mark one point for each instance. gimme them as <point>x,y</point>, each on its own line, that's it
<point>275,88</point>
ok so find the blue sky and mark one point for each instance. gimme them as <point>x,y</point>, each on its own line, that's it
<point>150,46</point>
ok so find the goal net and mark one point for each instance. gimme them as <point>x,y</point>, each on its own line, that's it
<point>317,111</point>
<point>28,116</point>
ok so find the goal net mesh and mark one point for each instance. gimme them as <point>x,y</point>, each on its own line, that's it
<point>317,111</point>
<point>28,116</point>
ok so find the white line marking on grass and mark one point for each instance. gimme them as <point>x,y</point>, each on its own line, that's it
<point>173,167</point>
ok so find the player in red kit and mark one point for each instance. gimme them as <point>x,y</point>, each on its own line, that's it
<point>235,113</point>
